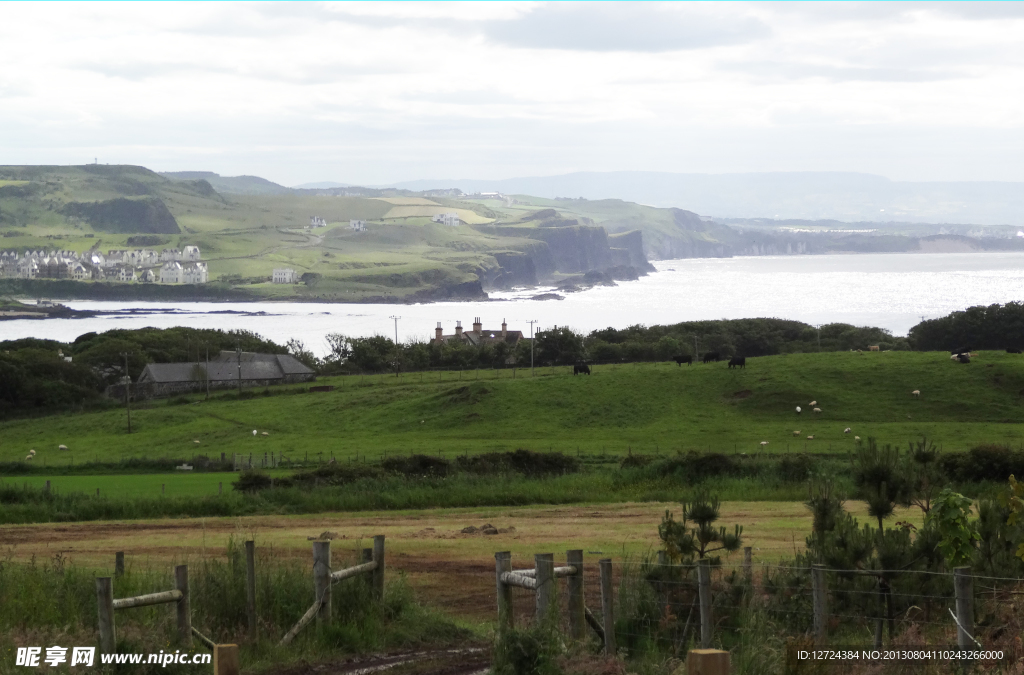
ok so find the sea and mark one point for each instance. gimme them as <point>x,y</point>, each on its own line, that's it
<point>894,291</point>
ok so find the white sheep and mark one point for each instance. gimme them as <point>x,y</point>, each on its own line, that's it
<point>764,443</point>
<point>62,447</point>
<point>196,441</point>
<point>846,430</point>
<point>916,393</point>
<point>856,439</point>
<point>796,433</point>
<point>32,452</point>
<point>798,410</point>
<point>811,437</point>
<point>28,458</point>
<point>813,403</point>
<point>254,432</point>
<point>817,410</point>
<point>265,433</point>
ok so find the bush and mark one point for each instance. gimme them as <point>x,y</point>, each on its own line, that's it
<point>521,461</point>
<point>983,463</point>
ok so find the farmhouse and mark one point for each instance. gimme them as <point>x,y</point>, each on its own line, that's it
<point>479,335</point>
<point>451,219</point>
<point>284,276</point>
<point>225,370</point>
<point>357,225</point>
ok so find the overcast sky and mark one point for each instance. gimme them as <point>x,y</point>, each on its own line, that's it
<point>375,93</point>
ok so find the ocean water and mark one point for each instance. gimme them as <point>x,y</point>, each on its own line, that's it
<point>893,291</point>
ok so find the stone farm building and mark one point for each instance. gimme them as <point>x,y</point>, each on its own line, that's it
<point>257,370</point>
<point>479,335</point>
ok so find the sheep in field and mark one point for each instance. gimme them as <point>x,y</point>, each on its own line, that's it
<point>254,432</point>
<point>811,437</point>
<point>846,430</point>
<point>28,458</point>
<point>196,441</point>
<point>813,403</point>
<point>916,393</point>
<point>265,433</point>
<point>798,410</point>
<point>62,447</point>
<point>32,452</point>
<point>764,443</point>
<point>817,410</point>
<point>796,433</point>
<point>856,439</point>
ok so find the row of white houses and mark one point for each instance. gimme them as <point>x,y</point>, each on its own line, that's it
<point>179,266</point>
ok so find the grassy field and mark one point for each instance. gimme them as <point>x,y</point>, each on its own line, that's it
<point>644,408</point>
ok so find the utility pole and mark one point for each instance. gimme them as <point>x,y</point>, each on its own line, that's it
<point>127,391</point>
<point>238,353</point>
<point>396,318</point>
<point>819,336</point>
<point>531,322</point>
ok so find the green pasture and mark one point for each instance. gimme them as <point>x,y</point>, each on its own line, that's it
<point>643,408</point>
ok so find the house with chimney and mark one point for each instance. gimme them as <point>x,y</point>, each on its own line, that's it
<point>479,335</point>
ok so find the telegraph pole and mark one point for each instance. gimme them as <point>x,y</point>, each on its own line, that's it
<point>531,322</point>
<point>396,318</point>
<point>127,391</point>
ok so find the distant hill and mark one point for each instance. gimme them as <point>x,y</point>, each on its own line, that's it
<point>322,185</point>
<point>234,185</point>
<point>800,195</point>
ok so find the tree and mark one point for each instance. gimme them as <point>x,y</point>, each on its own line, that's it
<point>560,346</point>
<point>696,535</point>
<point>951,517</point>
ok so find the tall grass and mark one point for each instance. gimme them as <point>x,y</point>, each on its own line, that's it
<point>53,602</point>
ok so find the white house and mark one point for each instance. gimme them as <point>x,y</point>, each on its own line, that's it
<point>80,272</point>
<point>126,273</point>
<point>190,254</point>
<point>451,219</point>
<point>170,273</point>
<point>284,276</point>
<point>357,225</point>
<point>194,273</point>
<point>170,254</point>
<point>149,276</point>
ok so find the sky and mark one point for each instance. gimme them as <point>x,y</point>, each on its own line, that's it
<point>377,93</point>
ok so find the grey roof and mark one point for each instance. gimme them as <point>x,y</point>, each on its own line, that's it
<point>254,367</point>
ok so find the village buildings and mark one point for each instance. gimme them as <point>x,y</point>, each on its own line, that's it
<point>170,266</point>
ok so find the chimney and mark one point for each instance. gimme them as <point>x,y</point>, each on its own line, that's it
<point>437,332</point>
<point>504,328</point>
<point>458,329</point>
<point>477,326</point>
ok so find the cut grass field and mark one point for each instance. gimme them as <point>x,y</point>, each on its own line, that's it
<point>644,408</point>
<point>447,568</point>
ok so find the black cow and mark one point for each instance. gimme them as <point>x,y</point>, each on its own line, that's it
<point>963,358</point>
<point>738,361</point>
<point>1010,350</point>
<point>680,360</point>
<point>581,368</point>
<point>712,356</point>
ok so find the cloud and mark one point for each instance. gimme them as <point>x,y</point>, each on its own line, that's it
<point>783,70</point>
<point>631,27</point>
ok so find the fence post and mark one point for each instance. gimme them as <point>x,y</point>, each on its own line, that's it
<point>704,592</point>
<point>502,564</point>
<point>184,605</point>
<point>545,566</point>
<point>47,489</point>
<point>119,564</point>
<point>225,660</point>
<point>820,591</point>
<point>963,584</point>
<point>748,565</point>
<point>250,587</point>
<point>105,603</point>
<point>378,571</point>
<point>322,579</point>
<point>607,606</point>
<point>575,604</point>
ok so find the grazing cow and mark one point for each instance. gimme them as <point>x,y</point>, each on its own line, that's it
<point>963,358</point>
<point>712,356</point>
<point>738,361</point>
<point>581,368</point>
<point>872,348</point>
<point>680,360</point>
<point>1010,350</point>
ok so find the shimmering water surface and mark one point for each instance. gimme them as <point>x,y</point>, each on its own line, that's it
<point>889,290</point>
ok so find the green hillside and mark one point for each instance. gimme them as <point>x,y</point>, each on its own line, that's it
<point>246,233</point>
<point>646,408</point>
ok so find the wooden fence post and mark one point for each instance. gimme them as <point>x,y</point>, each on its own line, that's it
<point>47,488</point>
<point>225,660</point>
<point>184,605</point>
<point>575,604</point>
<point>378,571</point>
<point>119,564</point>
<point>250,588</point>
<point>707,662</point>
<point>105,604</point>
<point>322,579</point>
<point>502,564</point>
<point>661,586</point>
<point>544,563</point>
<point>607,606</point>
<point>820,591</point>
<point>963,584</point>
<point>704,592</point>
